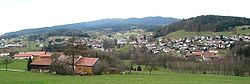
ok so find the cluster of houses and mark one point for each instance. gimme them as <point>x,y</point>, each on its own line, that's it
<point>41,61</point>
<point>203,56</point>
<point>202,47</point>
<point>110,41</point>
<point>6,52</point>
<point>11,44</point>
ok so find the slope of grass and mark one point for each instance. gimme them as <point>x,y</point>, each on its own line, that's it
<point>30,46</point>
<point>158,77</point>
<point>127,34</point>
<point>126,48</point>
<point>245,31</point>
<point>183,34</point>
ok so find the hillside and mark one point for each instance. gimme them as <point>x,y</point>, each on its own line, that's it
<point>184,33</point>
<point>117,24</point>
<point>238,30</point>
<point>210,23</point>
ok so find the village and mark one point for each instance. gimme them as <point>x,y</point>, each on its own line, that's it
<point>202,48</point>
<point>124,42</point>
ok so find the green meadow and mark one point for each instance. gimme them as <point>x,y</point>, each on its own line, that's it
<point>183,33</point>
<point>30,46</point>
<point>16,64</point>
<point>160,76</point>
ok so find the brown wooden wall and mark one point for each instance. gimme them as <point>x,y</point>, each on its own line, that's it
<point>82,69</point>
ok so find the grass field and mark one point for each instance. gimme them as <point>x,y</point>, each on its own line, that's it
<point>16,64</point>
<point>183,33</point>
<point>126,48</point>
<point>127,34</point>
<point>158,77</point>
<point>30,46</point>
<point>245,31</point>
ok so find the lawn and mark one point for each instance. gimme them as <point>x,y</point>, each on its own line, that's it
<point>127,34</point>
<point>30,46</point>
<point>16,64</point>
<point>126,48</point>
<point>158,77</point>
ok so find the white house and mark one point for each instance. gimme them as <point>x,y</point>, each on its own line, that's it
<point>4,54</point>
<point>122,41</point>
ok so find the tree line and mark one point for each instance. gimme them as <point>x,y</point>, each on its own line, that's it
<point>212,23</point>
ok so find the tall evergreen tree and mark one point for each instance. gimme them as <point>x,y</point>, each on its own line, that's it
<point>28,64</point>
<point>139,68</point>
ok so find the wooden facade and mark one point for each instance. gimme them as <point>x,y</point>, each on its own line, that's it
<point>84,69</point>
<point>86,66</point>
<point>41,64</point>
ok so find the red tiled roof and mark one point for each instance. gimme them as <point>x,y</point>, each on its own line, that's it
<point>34,53</point>
<point>42,61</point>
<point>209,54</point>
<point>45,55</point>
<point>197,53</point>
<point>84,61</point>
<point>29,54</point>
<point>22,55</point>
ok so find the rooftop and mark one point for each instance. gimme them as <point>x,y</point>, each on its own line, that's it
<point>85,61</point>
<point>42,61</point>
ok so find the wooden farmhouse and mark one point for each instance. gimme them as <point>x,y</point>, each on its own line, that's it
<point>42,64</point>
<point>85,65</point>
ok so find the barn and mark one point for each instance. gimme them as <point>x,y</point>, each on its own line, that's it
<point>86,66</point>
<point>23,56</point>
<point>41,64</point>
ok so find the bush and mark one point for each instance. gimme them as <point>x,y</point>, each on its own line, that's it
<point>139,68</point>
<point>62,68</point>
<point>108,61</point>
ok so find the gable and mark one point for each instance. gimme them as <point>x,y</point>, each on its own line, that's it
<point>42,61</point>
<point>84,61</point>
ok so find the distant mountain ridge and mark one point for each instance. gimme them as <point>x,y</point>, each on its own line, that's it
<point>212,23</point>
<point>116,24</point>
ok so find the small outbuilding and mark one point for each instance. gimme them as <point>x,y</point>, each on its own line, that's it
<point>86,66</point>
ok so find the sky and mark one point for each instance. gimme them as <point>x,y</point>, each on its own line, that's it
<point>25,14</point>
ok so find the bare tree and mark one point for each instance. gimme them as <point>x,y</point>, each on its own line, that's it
<point>74,49</point>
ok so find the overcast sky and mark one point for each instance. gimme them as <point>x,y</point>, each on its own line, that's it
<point>22,14</point>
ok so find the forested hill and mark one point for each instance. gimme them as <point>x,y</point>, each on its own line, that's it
<point>117,24</point>
<point>212,23</point>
